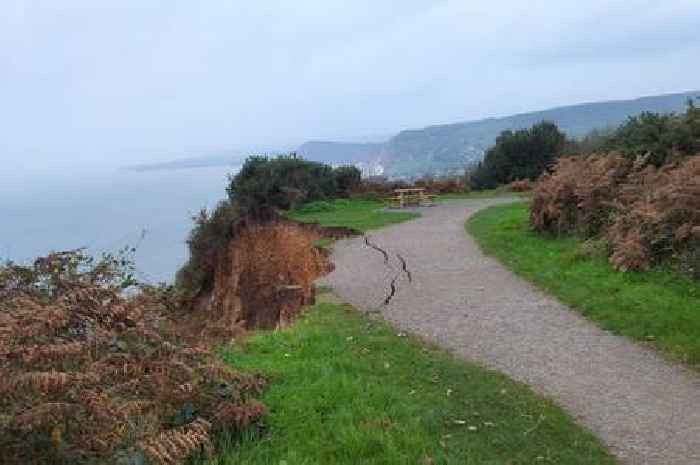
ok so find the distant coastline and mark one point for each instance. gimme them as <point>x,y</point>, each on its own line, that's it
<point>187,163</point>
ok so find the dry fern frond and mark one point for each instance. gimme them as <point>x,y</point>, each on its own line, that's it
<point>172,447</point>
<point>49,413</point>
<point>89,373</point>
<point>646,214</point>
<point>238,416</point>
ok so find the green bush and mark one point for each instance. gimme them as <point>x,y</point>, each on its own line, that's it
<point>659,137</point>
<point>523,154</point>
<point>210,234</point>
<point>347,178</point>
<point>285,182</point>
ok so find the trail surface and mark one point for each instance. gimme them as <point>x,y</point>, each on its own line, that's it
<point>438,284</point>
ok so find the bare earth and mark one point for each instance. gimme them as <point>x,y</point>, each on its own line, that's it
<point>646,409</point>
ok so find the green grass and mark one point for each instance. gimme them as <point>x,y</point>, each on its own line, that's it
<point>484,194</point>
<point>361,215</point>
<point>348,390</point>
<point>660,307</point>
<point>324,243</point>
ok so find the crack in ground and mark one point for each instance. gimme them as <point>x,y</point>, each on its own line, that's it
<point>405,268</point>
<point>392,291</point>
<point>392,284</point>
<point>382,251</point>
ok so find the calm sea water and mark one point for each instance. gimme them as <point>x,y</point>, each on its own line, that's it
<point>106,211</point>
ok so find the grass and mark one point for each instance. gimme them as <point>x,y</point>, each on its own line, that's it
<point>360,215</point>
<point>484,194</point>
<point>660,307</point>
<point>349,390</point>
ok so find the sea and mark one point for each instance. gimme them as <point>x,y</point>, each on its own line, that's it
<point>106,211</point>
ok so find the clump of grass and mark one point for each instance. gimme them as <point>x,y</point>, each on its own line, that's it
<point>659,306</point>
<point>360,215</point>
<point>347,390</point>
<point>319,206</point>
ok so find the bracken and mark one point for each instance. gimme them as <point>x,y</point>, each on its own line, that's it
<point>646,214</point>
<point>88,375</point>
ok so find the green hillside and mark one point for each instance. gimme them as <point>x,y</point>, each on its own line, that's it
<point>450,147</point>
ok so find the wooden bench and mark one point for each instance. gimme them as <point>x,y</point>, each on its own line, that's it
<point>415,196</point>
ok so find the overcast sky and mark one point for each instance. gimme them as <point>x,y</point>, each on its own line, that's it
<point>117,82</point>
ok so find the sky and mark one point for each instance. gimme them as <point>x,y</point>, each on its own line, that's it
<point>110,83</point>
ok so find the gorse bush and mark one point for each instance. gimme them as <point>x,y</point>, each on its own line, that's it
<point>658,137</point>
<point>661,138</point>
<point>287,181</point>
<point>523,154</point>
<point>527,153</point>
<point>90,376</point>
<point>348,179</point>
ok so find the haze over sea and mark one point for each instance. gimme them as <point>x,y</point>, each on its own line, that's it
<point>105,211</point>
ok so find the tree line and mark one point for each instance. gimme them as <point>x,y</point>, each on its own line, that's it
<point>528,153</point>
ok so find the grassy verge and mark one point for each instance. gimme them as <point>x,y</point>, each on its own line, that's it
<point>361,215</point>
<point>485,194</point>
<point>660,307</point>
<point>347,390</point>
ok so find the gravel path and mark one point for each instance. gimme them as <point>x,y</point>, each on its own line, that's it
<point>646,409</point>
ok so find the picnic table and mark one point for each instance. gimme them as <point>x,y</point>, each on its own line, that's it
<point>413,196</point>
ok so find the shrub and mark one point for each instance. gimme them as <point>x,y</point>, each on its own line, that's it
<point>92,376</point>
<point>661,138</point>
<point>647,133</point>
<point>646,214</point>
<point>658,217</point>
<point>207,238</point>
<point>523,154</point>
<point>284,182</point>
<point>347,179</point>
<point>521,185</point>
<point>577,197</point>
<point>443,185</point>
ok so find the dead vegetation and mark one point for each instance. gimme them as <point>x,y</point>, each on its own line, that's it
<point>647,215</point>
<point>521,185</point>
<point>89,375</point>
<point>379,187</point>
<point>263,277</point>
